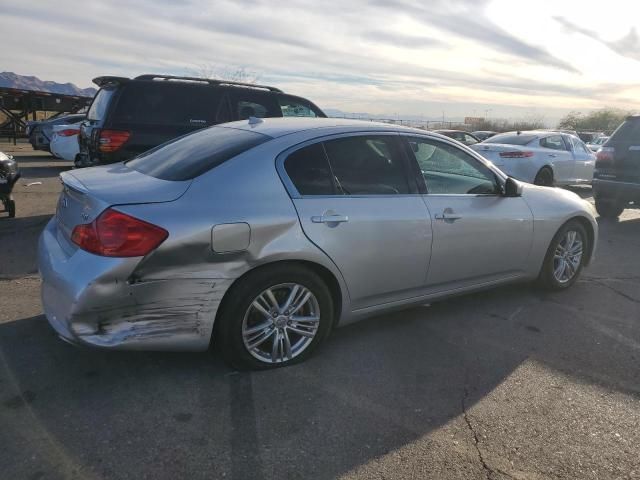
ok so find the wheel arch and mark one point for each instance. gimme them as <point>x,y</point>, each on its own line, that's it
<point>323,272</point>
<point>591,234</point>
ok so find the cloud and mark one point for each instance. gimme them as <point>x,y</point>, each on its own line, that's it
<point>627,46</point>
<point>367,56</point>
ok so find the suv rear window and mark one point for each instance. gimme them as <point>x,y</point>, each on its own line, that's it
<point>100,104</point>
<point>511,139</point>
<point>192,155</point>
<point>167,103</point>
<point>628,132</point>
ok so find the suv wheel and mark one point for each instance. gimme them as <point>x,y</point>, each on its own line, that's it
<point>565,257</point>
<point>608,208</point>
<point>274,317</point>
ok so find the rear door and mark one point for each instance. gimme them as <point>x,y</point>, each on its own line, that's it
<point>358,204</point>
<point>555,150</point>
<point>478,235</point>
<point>251,102</point>
<point>584,159</point>
<point>626,142</point>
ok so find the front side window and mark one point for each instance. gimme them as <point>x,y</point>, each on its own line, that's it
<point>553,142</point>
<point>368,165</point>
<point>469,140</point>
<point>448,170</point>
<point>309,171</point>
<point>292,107</point>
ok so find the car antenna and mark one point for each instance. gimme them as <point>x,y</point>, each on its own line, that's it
<point>255,120</point>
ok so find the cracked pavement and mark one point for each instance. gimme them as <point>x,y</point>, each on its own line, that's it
<point>508,383</point>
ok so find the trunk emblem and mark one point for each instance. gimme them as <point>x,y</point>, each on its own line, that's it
<point>65,202</point>
<point>85,216</point>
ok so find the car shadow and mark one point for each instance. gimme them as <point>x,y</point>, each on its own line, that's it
<point>34,167</point>
<point>374,387</point>
<point>18,244</point>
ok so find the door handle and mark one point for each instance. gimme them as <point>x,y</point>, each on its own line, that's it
<point>447,216</point>
<point>553,155</point>
<point>335,218</point>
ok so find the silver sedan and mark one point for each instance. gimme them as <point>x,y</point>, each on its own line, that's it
<point>263,236</point>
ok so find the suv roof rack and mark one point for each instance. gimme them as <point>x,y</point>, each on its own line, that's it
<point>150,76</point>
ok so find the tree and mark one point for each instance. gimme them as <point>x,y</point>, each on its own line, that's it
<point>604,120</point>
<point>224,72</point>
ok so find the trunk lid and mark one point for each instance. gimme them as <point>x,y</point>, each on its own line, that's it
<point>87,192</point>
<point>491,151</point>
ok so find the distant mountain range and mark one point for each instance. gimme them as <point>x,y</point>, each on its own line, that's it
<point>24,82</point>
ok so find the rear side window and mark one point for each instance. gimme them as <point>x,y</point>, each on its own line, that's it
<point>246,103</point>
<point>100,103</point>
<point>511,139</point>
<point>368,165</point>
<point>168,103</point>
<point>309,171</point>
<point>292,107</point>
<point>553,142</point>
<point>192,155</point>
<point>628,132</point>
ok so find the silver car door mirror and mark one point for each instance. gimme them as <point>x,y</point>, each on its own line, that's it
<point>512,188</point>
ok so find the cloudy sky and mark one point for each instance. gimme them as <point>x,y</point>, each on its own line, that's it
<point>507,58</point>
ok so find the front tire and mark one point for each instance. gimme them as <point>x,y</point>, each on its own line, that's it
<point>274,317</point>
<point>544,177</point>
<point>565,257</point>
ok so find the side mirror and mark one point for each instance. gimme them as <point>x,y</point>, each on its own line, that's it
<point>512,188</point>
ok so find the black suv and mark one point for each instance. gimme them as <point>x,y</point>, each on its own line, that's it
<point>616,178</point>
<point>130,116</point>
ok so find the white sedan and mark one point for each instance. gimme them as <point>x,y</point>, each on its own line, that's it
<point>64,142</point>
<point>542,157</point>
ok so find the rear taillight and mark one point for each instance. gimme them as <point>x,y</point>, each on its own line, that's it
<point>112,140</point>
<point>116,234</point>
<point>516,154</point>
<point>605,156</point>
<point>68,132</point>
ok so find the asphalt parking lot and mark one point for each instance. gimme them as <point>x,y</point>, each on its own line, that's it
<point>510,383</point>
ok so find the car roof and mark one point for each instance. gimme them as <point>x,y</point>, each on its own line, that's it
<point>449,131</point>
<point>538,133</point>
<point>278,127</point>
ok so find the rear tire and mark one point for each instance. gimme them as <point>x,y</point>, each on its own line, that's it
<point>608,208</point>
<point>565,257</point>
<point>11,208</point>
<point>544,177</point>
<point>284,335</point>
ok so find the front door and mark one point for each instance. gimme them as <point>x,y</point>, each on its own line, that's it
<point>478,234</point>
<point>357,203</point>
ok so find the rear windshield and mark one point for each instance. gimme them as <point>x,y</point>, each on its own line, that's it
<point>511,139</point>
<point>100,103</point>
<point>628,132</point>
<point>168,103</point>
<point>191,155</point>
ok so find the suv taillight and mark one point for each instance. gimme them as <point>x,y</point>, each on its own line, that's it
<point>112,140</point>
<point>605,156</point>
<point>116,234</point>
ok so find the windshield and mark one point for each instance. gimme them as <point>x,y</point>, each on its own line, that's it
<point>191,155</point>
<point>99,105</point>
<point>511,139</point>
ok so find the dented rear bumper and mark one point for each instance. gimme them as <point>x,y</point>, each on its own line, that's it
<point>89,300</point>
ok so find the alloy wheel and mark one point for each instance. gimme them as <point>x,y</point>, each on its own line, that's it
<point>567,257</point>
<point>280,323</point>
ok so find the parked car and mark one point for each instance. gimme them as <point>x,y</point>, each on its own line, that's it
<point>588,137</point>
<point>482,135</point>
<point>40,133</point>
<point>64,142</point>
<point>541,157</point>
<point>616,179</point>
<point>463,137</point>
<point>9,175</point>
<point>130,116</point>
<point>595,145</point>
<point>263,235</point>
